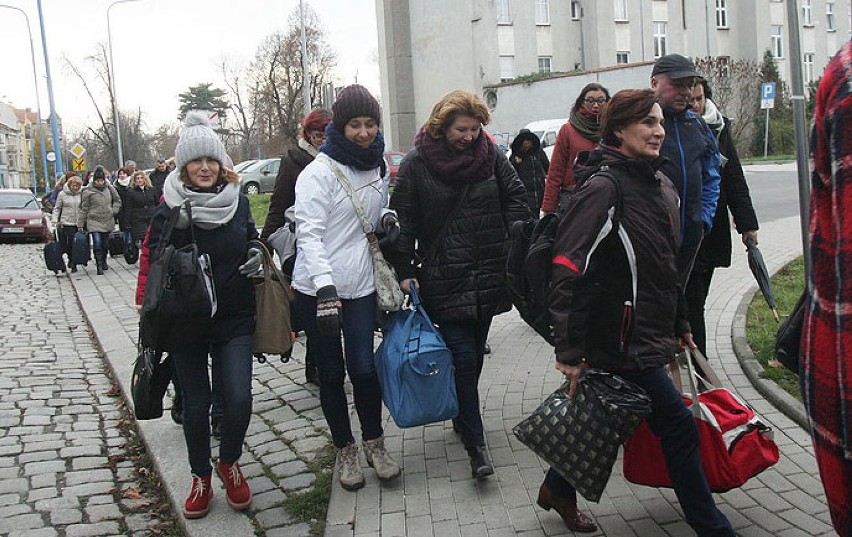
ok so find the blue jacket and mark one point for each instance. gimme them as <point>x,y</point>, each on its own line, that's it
<point>693,166</point>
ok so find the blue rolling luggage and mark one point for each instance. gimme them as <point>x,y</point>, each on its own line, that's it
<point>53,256</point>
<point>116,243</point>
<point>80,252</point>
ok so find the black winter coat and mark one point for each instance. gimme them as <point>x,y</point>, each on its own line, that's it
<point>123,217</point>
<point>228,247</point>
<point>158,178</point>
<point>466,278</point>
<point>532,167</point>
<point>284,194</point>
<point>139,206</point>
<point>716,248</point>
<point>594,278</point>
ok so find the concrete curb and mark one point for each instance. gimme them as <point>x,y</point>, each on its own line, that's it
<point>780,399</point>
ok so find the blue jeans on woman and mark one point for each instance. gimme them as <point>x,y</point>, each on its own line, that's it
<point>359,321</point>
<point>234,360</point>
<point>674,423</point>
<point>100,240</point>
<point>466,340</point>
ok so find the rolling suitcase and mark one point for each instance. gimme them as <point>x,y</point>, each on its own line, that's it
<point>80,252</point>
<point>53,255</point>
<point>116,243</point>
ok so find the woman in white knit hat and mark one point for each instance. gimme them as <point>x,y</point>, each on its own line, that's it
<point>223,228</point>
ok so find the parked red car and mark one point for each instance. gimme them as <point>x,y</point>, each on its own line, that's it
<point>393,159</point>
<point>21,216</point>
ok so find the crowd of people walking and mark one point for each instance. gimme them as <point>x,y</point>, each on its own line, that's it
<point>643,181</point>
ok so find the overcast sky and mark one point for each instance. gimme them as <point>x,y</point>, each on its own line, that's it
<point>161,47</point>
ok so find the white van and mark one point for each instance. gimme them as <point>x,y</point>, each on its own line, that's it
<point>546,130</point>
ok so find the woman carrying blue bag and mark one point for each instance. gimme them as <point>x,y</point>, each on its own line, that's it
<point>455,195</point>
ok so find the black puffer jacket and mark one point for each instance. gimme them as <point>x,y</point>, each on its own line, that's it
<point>140,205</point>
<point>466,279</point>
<point>532,167</point>
<point>594,274</point>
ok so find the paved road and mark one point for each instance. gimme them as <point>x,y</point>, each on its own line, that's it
<point>62,454</point>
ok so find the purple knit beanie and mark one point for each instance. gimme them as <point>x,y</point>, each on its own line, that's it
<point>354,101</point>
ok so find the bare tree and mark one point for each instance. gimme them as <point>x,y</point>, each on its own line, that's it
<point>736,91</point>
<point>242,134</point>
<point>278,77</point>
<point>101,137</point>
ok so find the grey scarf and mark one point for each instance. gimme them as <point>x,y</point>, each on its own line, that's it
<point>713,117</point>
<point>209,209</point>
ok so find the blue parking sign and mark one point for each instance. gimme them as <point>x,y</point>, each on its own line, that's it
<point>767,95</point>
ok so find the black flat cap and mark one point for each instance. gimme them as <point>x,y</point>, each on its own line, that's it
<point>675,66</point>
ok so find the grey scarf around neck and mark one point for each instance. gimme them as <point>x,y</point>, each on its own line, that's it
<point>209,209</point>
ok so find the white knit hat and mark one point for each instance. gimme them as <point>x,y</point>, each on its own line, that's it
<point>198,139</point>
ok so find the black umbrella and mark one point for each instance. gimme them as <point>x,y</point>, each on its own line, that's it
<point>758,269</point>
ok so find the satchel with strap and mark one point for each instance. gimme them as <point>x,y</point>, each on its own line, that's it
<point>389,295</point>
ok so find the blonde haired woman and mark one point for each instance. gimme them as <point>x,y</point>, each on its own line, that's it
<point>455,194</point>
<point>142,198</point>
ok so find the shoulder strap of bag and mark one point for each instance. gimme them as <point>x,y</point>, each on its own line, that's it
<point>439,237</point>
<point>366,226</point>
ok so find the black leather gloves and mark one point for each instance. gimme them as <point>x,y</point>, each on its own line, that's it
<point>328,311</point>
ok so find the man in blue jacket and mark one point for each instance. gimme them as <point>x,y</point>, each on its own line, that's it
<point>693,157</point>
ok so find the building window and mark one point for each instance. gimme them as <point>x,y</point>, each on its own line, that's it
<point>503,15</point>
<point>777,41</point>
<point>721,14</point>
<point>659,39</point>
<point>507,68</point>
<point>576,11</point>
<point>622,57</point>
<point>621,10</point>
<point>724,66</point>
<point>807,18</point>
<point>808,71</point>
<point>544,64</point>
<point>542,12</point>
<point>829,17</point>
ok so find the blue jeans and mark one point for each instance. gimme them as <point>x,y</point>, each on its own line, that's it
<point>234,359</point>
<point>100,240</point>
<point>359,321</point>
<point>466,340</point>
<point>673,422</point>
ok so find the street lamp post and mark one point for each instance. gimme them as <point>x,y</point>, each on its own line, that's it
<point>57,148</point>
<point>38,103</point>
<point>114,97</point>
<point>306,80</point>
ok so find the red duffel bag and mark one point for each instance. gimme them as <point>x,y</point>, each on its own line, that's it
<point>735,443</point>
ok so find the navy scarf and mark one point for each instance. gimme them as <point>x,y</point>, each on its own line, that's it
<point>344,151</point>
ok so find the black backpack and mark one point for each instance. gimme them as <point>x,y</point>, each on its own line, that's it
<point>530,258</point>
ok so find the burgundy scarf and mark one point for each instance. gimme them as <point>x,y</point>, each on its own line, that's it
<point>470,166</point>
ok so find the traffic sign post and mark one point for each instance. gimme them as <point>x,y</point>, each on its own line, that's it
<point>767,101</point>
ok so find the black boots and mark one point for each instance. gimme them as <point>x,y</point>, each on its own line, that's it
<point>480,466</point>
<point>100,261</point>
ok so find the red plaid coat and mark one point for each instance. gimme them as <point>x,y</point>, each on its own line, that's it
<point>827,335</point>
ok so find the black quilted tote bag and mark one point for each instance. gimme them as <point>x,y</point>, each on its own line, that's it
<point>579,438</point>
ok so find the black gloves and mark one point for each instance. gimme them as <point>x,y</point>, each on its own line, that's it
<point>328,311</point>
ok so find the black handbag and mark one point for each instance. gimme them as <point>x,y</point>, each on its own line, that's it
<point>580,437</point>
<point>131,253</point>
<point>151,377</point>
<point>179,292</point>
<point>789,336</point>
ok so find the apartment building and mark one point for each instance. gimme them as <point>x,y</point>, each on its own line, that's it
<point>429,48</point>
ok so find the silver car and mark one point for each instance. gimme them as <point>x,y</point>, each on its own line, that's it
<point>260,176</point>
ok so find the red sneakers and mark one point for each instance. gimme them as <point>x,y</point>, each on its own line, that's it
<point>239,493</point>
<point>198,503</point>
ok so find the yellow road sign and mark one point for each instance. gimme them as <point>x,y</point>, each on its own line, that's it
<point>78,150</point>
<point>78,164</point>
